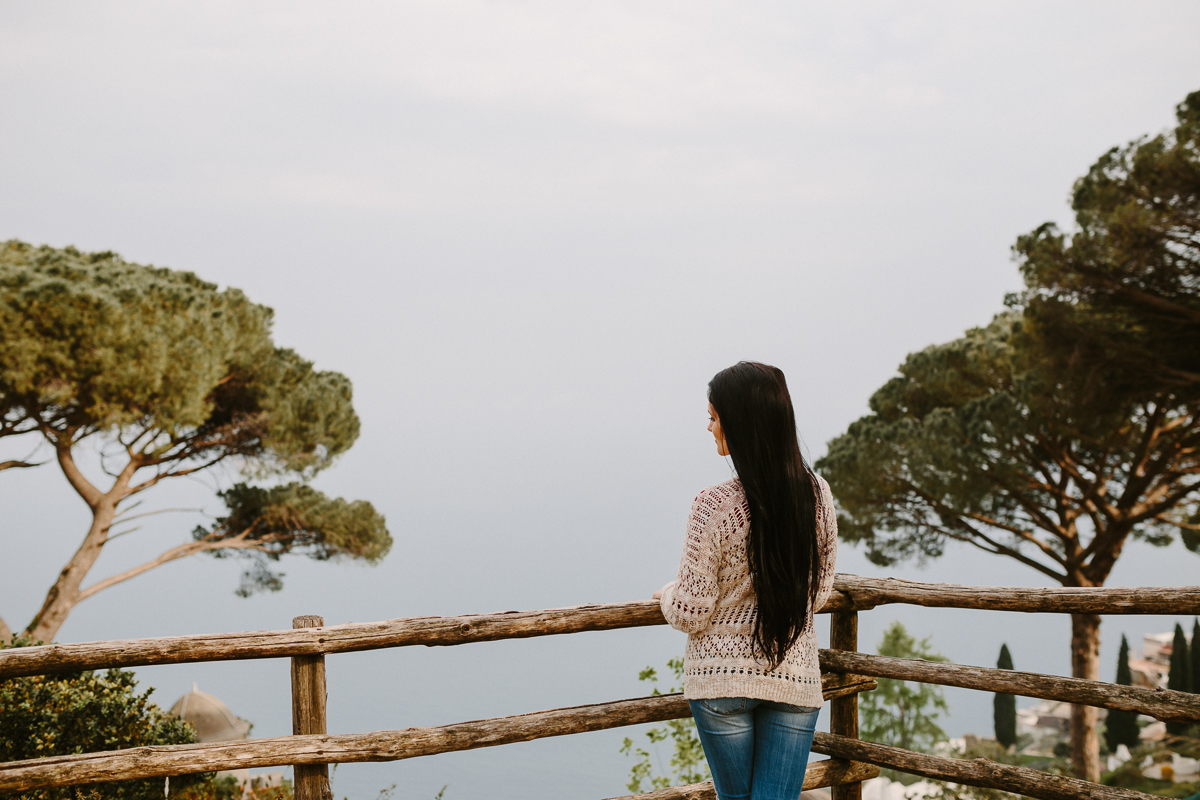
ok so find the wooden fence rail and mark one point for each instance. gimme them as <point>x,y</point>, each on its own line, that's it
<point>1164,704</point>
<point>317,749</point>
<point>981,772</point>
<point>820,774</point>
<point>867,593</point>
<point>851,592</point>
<point>349,638</point>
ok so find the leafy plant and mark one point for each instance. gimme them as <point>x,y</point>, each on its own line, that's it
<point>899,713</point>
<point>84,712</point>
<point>687,764</point>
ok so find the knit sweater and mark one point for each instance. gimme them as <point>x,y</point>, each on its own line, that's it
<point>712,600</point>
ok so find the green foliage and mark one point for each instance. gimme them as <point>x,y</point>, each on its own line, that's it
<point>51,715</point>
<point>1004,711</point>
<point>1120,295</point>
<point>688,764</point>
<point>1179,675</point>
<point>976,441</point>
<point>1121,727</point>
<point>92,343</point>
<point>283,519</point>
<point>899,713</point>
<point>1194,652</point>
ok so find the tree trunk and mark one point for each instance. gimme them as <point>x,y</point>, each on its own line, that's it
<point>64,594</point>
<point>1085,663</point>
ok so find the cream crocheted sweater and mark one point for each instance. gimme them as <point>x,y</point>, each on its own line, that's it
<point>712,600</point>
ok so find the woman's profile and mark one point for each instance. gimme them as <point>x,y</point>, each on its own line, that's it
<point>757,562</point>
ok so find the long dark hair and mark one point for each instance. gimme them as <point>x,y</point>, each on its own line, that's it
<point>756,416</point>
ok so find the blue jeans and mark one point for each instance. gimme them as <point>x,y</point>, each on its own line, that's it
<point>756,749</point>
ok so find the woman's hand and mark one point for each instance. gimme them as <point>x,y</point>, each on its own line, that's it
<point>657,595</point>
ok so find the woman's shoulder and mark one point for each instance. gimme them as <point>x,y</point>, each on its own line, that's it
<point>718,499</point>
<point>824,493</point>
<point>718,503</point>
<point>721,493</point>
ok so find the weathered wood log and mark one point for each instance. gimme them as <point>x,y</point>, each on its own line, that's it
<point>153,762</point>
<point>852,592</point>
<point>158,761</point>
<point>843,712</point>
<point>308,715</point>
<point>835,685</point>
<point>351,637</point>
<point>980,772</point>
<point>1164,704</point>
<point>348,638</point>
<point>830,772</point>
<point>870,592</point>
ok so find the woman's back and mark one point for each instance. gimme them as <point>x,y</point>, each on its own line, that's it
<point>713,600</point>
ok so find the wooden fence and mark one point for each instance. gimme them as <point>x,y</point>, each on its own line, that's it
<point>845,673</point>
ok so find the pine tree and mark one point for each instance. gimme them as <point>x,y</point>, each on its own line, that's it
<point>1121,726</point>
<point>1179,677</point>
<point>1005,705</point>
<point>1195,656</point>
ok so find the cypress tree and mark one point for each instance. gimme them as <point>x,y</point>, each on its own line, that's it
<point>1005,705</point>
<point>1179,676</point>
<point>1121,726</point>
<point>1195,656</point>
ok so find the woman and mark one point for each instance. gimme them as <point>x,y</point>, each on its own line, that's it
<point>758,561</point>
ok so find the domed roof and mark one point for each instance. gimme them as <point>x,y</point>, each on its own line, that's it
<point>211,718</point>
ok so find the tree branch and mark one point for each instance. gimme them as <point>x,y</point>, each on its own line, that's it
<point>19,464</point>
<point>972,535</point>
<point>66,460</point>
<point>1172,500</point>
<point>1023,534</point>
<point>239,542</point>
<point>944,510</point>
<point>123,519</point>
<point>146,484</point>
<point>1148,300</point>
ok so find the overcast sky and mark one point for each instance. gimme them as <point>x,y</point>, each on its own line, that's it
<point>530,233</point>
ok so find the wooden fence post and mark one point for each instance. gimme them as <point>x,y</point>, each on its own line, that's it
<point>843,713</point>
<point>308,715</point>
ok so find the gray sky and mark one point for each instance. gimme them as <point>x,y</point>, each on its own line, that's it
<point>530,233</point>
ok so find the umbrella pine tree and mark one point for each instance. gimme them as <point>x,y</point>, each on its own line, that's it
<point>1066,429</point>
<point>158,375</point>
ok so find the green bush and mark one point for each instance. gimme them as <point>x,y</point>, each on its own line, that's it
<point>85,712</point>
